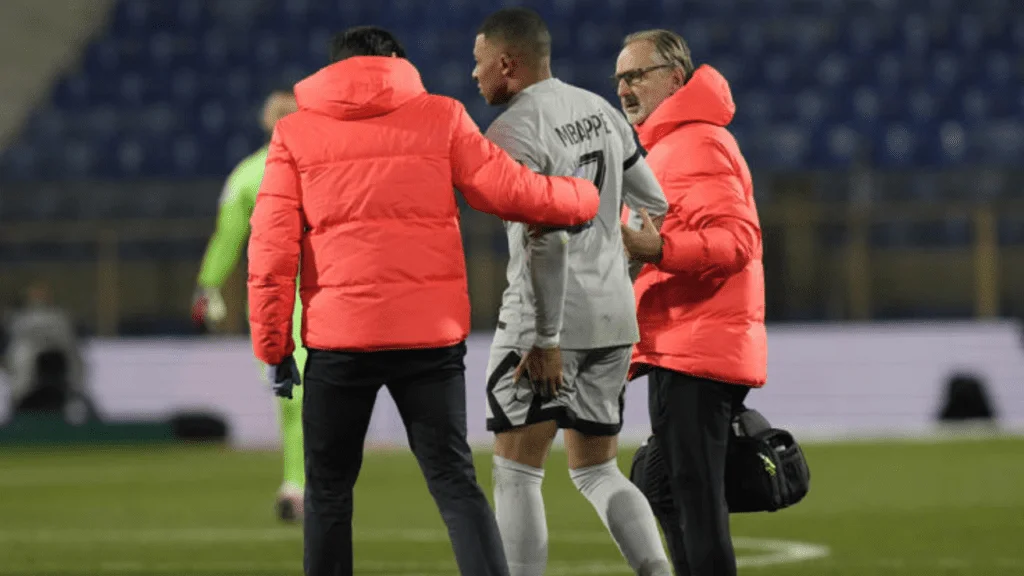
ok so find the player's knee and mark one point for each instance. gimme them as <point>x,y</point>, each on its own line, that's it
<point>507,474</point>
<point>588,478</point>
<point>585,451</point>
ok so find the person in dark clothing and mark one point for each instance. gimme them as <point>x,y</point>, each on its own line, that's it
<point>357,201</point>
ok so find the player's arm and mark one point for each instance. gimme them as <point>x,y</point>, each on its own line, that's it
<point>549,273</point>
<point>492,182</point>
<point>274,252</point>
<point>548,247</point>
<point>640,189</point>
<point>225,246</point>
<point>724,231</point>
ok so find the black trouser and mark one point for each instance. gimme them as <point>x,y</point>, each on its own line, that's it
<point>428,387</point>
<point>691,418</point>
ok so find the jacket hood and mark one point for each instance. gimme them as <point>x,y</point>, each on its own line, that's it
<point>360,87</point>
<point>705,98</point>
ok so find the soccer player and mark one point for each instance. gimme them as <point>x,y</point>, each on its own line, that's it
<point>567,318</point>
<point>222,255</point>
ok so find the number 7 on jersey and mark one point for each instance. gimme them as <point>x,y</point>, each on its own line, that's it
<point>595,157</point>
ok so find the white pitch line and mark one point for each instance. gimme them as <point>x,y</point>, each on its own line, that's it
<point>227,535</point>
<point>777,552</point>
<point>399,568</point>
<point>770,552</point>
<point>396,567</point>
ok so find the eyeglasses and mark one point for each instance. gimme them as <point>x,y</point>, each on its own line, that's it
<point>631,77</point>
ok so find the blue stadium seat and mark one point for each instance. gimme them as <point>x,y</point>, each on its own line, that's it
<point>1015,31</point>
<point>947,72</point>
<point>814,107</point>
<point>785,145</point>
<point>917,34</point>
<point>79,158</point>
<point>952,145</point>
<point>838,146</point>
<point>834,71</point>
<point>888,70</point>
<point>898,146</point>
<point>171,87</point>
<point>865,105</point>
<point>756,107</point>
<point>970,33</point>
<point>191,14</point>
<point>1001,142</point>
<point>975,106</point>
<point>777,72</point>
<point>749,37</point>
<point>699,36</point>
<point>186,155</point>
<point>861,36</point>
<point>734,69</point>
<point>1002,71</point>
<point>809,36</point>
<point>922,106</point>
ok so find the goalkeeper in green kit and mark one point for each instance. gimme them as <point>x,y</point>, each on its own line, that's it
<point>222,255</point>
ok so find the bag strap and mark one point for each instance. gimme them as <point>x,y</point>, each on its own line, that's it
<point>749,422</point>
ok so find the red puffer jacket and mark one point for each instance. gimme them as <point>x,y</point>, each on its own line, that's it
<point>359,188</point>
<point>701,309</point>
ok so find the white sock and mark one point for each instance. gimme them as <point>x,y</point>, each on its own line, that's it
<point>626,513</point>
<point>519,509</point>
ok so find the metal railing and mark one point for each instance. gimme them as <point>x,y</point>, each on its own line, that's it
<point>993,269</point>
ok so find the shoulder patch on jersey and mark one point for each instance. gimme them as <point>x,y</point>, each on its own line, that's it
<point>226,194</point>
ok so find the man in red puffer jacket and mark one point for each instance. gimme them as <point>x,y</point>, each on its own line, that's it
<point>358,195</point>
<point>700,296</point>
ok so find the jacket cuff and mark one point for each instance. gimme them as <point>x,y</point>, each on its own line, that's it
<point>681,253</point>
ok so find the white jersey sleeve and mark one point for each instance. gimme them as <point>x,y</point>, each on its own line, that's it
<point>640,189</point>
<point>547,255</point>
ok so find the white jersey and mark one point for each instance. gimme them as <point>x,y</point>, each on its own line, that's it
<point>572,287</point>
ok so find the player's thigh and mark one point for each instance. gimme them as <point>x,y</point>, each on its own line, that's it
<point>597,403</point>
<point>529,444</point>
<point>523,429</point>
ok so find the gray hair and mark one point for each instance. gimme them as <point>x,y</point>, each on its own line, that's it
<point>668,45</point>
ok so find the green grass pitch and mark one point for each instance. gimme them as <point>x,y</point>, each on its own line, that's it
<point>897,508</point>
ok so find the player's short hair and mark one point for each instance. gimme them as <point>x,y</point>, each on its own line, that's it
<point>668,45</point>
<point>521,29</point>
<point>365,41</point>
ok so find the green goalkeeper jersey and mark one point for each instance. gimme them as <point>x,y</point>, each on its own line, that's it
<point>237,202</point>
